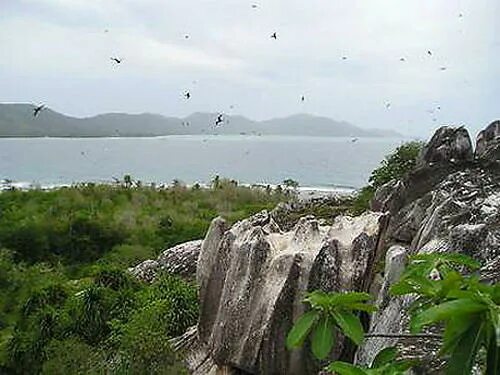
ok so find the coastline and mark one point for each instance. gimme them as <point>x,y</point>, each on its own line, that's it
<point>303,192</point>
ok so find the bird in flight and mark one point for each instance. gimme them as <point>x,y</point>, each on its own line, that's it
<point>303,98</point>
<point>388,105</point>
<point>274,36</point>
<point>354,140</point>
<point>187,95</point>
<point>38,109</point>
<point>429,53</point>
<point>443,68</point>
<point>254,6</point>
<point>219,120</point>
<point>438,107</point>
<point>186,36</point>
<point>116,60</point>
<point>344,57</point>
<point>402,59</point>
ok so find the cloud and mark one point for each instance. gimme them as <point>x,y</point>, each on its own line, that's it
<point>230,54</point>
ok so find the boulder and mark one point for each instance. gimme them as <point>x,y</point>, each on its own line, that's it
<point>180,260</point>
<point>252,278</point>
<point>488,143</point>
<point>447,145</point>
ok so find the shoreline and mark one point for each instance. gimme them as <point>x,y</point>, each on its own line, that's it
<point>303,192</point>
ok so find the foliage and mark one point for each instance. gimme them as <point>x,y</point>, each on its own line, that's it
<point>85,223</point>
<point>468,309</point>
<point>394,166</point>
<point>329,312</point>
<point>67,304</point>
<point>385,363</point>
<point>290,183</point>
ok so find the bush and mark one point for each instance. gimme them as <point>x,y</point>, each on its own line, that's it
<point>394,166</point>
<point>397,164</point>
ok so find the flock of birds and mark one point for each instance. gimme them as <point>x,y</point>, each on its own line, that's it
<point>220,118</point>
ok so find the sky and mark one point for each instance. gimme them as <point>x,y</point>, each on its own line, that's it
<point>58,52</point>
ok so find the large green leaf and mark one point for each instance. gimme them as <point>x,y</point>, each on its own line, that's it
<point>455,327</point>
<point>318,299</point>
<point>338,299</point>
<point>301,329</point>
<point>445,311</point>
<point>463,356</point>
<point>384,356</point>
<point>350,325</point>
<point>361,307</point>
<point>322,338</point>
<point>343,368</point>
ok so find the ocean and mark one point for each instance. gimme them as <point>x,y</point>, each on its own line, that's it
<point>316,162</point>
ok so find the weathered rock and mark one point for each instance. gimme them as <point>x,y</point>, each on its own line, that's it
<point>447,145</point>
<point>456,212</point>
<point>488,143</point>
<point>179,260</point>
<point>252,278</point>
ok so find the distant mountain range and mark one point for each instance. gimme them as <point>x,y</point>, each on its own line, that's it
<point>17,120</point>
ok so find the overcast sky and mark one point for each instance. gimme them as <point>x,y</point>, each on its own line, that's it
<point>58,52</point>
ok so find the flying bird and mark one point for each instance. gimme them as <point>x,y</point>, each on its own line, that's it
<point>254,6</point>
<point>443,68</point>
<point>402,59</point>
<point>106,31</point>
<point>344,57</point>
<point>388,105</point>
<point>354,140</point>
<point>187,95</point>
<point>429,53</point>
<point>303,98</point>
<point>274,36</point>
<point>438,107</point>
<point>186,36</point>
<point>116,60</point>
<point>219,119</point>
<point>38,109</point>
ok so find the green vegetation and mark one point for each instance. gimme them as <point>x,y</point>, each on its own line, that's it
<point>468,309</point>
<point>67,304</point>
<point>394,166</point>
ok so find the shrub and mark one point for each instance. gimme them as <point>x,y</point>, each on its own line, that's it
<point>394,166</point>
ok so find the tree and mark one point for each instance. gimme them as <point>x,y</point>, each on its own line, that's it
<point>290,184</point>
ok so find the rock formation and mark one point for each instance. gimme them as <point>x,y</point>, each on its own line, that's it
<point>179,260</point>
<point>458,211</point>
<point>253,275</point>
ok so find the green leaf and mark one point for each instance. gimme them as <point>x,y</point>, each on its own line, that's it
<point>322,338</point>
<point>343,368</point>
<point>455,327</point>
<point>350,325</point>
<point>301,329</point>
<point>445,311</point>
<point>338,299</point>
<point>463,356</point>
<point>384,356</point>
<point>361,307</point>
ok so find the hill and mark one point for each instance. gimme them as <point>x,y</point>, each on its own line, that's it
<point>16,120</point>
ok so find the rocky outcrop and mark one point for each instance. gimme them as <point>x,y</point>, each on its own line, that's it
<point>252,279</point>
<point>179,260</point>
<point>488,143</point>
<point>455,212</point>
<point>253,275</point>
